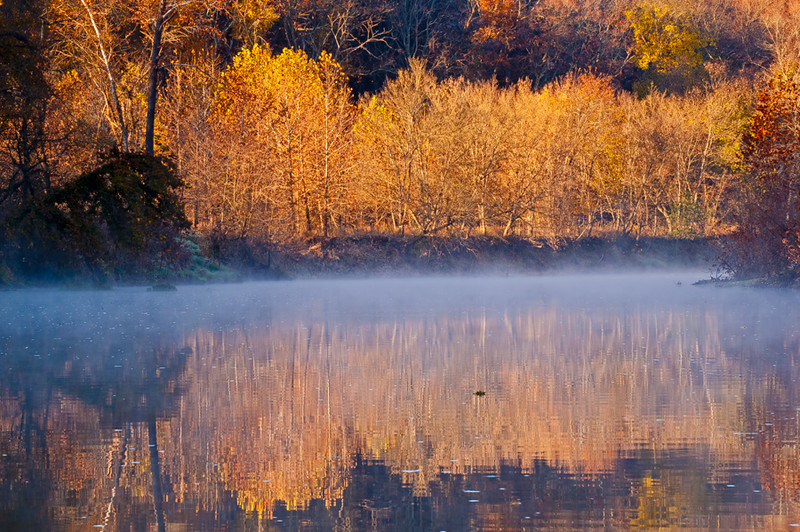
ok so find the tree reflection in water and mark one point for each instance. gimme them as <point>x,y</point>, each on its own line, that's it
<point>618,413</point>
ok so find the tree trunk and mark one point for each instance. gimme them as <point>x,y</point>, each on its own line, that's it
<point>152,81</point>
<point>155,474</point>
<point>111,82</point>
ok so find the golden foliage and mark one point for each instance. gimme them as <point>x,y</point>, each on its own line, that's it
<point>662,43</point>
<point>295,113</point>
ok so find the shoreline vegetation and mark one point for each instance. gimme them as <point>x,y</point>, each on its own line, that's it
<point>370,256</point>
<point>381,255</point>
<point>153,141</point>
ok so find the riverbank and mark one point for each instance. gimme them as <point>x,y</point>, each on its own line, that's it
<point>381,255</point>
<point>219,261</point>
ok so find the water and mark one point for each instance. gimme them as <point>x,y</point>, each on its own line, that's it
<point>614,401</point>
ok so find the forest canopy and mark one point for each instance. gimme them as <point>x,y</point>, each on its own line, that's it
<point>276,121</point>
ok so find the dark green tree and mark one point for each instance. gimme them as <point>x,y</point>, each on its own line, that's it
<point>119,220</point>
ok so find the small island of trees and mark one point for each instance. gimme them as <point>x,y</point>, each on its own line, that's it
<point>138,137</point>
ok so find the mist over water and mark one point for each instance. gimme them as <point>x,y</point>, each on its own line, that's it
<point>615,400</point>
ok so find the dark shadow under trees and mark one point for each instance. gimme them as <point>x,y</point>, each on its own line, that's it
<point>120,220</point>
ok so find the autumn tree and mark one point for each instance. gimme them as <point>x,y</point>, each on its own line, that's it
<point>495,34</point>
<point>582,119</point>
<point>669,52</point>
<point>488,137</point>
<point>499,17</point>
<point>541,41</point>
<point>25,104</point>
<point>354,33</point>
<point>390,137</point>
<point>284,121</point>
<point>434,154</point>
<point>562,162</point>
<point>89,44</point>
<point>522,183</point>
<point>241,188</point>
<point>701,133</point>
<point>41,142</point>
<point>188,129</point>
<point>780,33</point>
<point>124,51</point>
<point>411,140</point>
<point>768,236</point>
<point>155,19</point>
<point>332,160</point>
<point>417,25</point>
<point>64,105</point>
<point>743,32</point>
<point>252,19</point>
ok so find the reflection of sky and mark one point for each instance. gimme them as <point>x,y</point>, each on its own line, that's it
<point>294,383</point>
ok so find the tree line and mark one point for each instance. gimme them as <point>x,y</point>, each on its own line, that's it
<point>425,156</point>
<point>273,121</point>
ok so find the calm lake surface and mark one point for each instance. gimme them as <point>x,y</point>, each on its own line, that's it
<point>617,401</point>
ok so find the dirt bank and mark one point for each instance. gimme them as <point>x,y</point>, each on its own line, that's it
<point>414,255</point>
